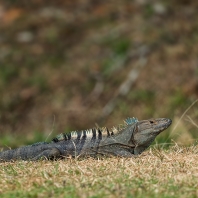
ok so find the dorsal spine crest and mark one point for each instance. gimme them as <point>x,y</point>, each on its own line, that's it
<point>95,131</point>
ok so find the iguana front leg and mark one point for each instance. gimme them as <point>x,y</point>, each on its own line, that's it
<point>50,153</point>
<point>121,152</point>
<point>116,151</point>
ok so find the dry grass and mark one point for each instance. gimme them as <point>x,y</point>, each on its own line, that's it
<point>157,172</point>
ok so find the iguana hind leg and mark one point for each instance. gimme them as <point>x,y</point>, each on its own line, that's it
<point>117,151</point>
<point>51,153</point>
<point>121,152</point>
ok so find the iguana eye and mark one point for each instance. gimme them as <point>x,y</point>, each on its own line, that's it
<point>151,122</point>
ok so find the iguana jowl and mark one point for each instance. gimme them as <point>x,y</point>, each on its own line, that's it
<point>127,140</point>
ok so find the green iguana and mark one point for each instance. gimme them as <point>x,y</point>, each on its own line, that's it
<point>126,140</point>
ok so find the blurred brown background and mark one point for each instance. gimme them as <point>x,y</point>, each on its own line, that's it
<point>67,65</point>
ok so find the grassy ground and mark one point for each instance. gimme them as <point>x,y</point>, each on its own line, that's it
<point>157,172</point>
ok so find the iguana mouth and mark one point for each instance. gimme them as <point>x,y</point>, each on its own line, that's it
<point>161,124</point>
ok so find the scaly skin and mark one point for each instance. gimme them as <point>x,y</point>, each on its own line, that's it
<point>131,139</point>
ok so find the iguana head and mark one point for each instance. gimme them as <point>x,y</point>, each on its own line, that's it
<point>145,132</point>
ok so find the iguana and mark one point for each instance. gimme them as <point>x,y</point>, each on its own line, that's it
<point>126,140</point>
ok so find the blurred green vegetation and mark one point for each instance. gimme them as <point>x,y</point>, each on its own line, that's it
<point>69,59</point>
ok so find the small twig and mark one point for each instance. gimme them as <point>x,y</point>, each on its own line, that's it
<point>183,115</point>
<point>52,129</point>
<point>191,120</point>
